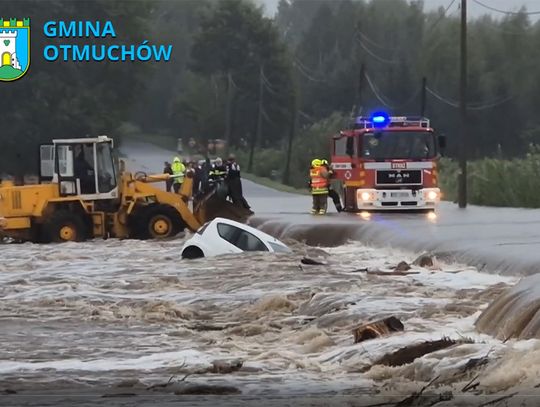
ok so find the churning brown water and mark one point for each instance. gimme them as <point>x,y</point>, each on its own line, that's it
<point>515,313</point>
<point>101,316</point>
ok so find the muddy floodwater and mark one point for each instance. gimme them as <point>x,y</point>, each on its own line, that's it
<point>115,321</point>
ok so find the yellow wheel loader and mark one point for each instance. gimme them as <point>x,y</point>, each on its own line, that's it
<point>85,193</point>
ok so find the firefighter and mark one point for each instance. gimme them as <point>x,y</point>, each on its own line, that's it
<point>168,170</point>
<point>319,187</point>
<point>218,171</point>
<point>216,178</point>
<point>179,171</point>
<point>332,192</point>
<point>234,182</point>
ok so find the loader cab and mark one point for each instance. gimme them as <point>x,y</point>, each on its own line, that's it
<point>83,167</point>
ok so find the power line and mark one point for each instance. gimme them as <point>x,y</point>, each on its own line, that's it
<point>491,105</point>
<point>377,93</point>
<point>305,74</point>
<point>306,68</point>
<point>369,40</point>
<point>233,83</point>
<point>266,116</point>
<point>268,86</point>
<point>441,98</point>
<point>385,100</point>
<point>440,17</point>
<point>475,106</point>
<point>505,11</point>
<point>306,116</point>
<point>378,58</point>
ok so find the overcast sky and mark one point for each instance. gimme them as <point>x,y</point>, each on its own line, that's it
<point>474,9</point>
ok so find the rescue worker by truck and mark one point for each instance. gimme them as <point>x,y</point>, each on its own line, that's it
<point>332,193</point>
<point>319,187</point>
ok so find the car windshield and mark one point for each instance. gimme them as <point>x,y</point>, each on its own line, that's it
<point>398,145</point>
<point>203,228</point>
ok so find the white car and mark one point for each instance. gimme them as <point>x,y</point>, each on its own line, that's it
<point>223,236</point>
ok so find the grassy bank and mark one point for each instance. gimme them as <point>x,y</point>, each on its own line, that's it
<point>496,182</point>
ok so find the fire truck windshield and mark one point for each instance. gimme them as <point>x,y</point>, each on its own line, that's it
<point>398,145</point>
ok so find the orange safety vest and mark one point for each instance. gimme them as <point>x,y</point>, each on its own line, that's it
<point>319,183</point>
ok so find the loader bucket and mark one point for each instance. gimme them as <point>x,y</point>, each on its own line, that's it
<point>216,205</point>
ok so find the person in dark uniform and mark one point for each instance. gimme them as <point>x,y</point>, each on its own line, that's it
<point>234,182</point>
<point>168,170</point>
<point>218,172</point>
<point>197,177</point>
<point>216,179</point>
<point>331,192</point>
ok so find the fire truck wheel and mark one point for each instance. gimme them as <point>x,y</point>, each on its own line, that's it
<point>64,226</point>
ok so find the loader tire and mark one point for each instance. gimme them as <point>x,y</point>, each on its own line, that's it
<point>157,222</point>
<point>64,226</point>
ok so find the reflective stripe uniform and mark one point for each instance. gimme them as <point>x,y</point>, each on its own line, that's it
<point>319,180</point>
<point>319,189</point>
<point>217,172</point>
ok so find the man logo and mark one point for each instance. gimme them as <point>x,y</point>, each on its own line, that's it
<point>14,48</point>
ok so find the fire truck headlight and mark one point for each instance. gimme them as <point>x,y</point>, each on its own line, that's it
<point>432,195</point>
<point>366,196</point>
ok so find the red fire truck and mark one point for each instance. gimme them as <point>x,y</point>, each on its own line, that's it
<point>387,163</point>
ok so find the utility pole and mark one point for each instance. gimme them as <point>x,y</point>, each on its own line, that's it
<point>228,112</point>
<point>292,130</point>
<point>462,189</point>
<point>257,135</point>
<point>423,97</point>
<point>361,80</point>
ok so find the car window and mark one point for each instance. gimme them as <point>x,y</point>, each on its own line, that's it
<point>228,232</point>
<point>250,243</point>
<point>278,248</point>
<point>240,238</point>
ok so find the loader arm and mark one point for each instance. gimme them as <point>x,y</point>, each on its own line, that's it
<point>142,186</point>
<point>209,207</point>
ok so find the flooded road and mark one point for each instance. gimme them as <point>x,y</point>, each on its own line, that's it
<point>501,240</point>
<point>86,318</point>
<point>128,323</point>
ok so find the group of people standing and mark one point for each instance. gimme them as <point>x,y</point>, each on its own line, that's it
<point>320,174</point>
<point>207,177</point>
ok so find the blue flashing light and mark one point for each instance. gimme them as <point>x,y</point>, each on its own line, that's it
<point>380,119</point>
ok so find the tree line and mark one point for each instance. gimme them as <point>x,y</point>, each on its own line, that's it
<point>260,82</point>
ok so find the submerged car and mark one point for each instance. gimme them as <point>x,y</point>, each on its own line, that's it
<point>223,236</point>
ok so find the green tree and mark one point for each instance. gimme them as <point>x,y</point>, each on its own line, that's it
<point>236,41</point>
<point>68,99</point>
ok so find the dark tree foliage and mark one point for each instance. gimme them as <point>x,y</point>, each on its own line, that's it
<point>311,51</point>
<point>68,99</point>
<point>235,39</point>
<point>399,43</point>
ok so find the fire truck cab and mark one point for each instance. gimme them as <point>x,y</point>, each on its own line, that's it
<point>387,163</point>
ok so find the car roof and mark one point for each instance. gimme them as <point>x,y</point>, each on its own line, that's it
<point>248,228</point>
